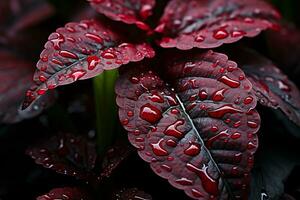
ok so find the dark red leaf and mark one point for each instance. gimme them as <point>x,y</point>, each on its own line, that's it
<point>113,158</point>
<point>65,193</point>
<point>15,77</point>
<point>81,51</point>
<point>66,154</point>
<point>208,24</point>
<point>131,194</point>
<point>198,128</point>
<point>271,86</point>
<point>127,11</point>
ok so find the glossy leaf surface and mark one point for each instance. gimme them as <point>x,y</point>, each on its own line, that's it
<point>66,154</point>
<point>211,23</point>
<point>65,194</point>
<point>197,128</point>
<point>15,76</point>
<point>272,87</point>
<point>127,11</point>
<point>81,51</point>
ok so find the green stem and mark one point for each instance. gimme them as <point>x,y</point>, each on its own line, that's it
<point>106,115</point>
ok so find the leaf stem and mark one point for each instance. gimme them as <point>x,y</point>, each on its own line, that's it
<point>106,115</point>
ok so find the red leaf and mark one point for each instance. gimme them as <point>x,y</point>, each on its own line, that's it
<point>131,194</point>
<point>15,77</point>
<point>199,130</point>
<point>113,158</point>
<point>65,193</point>
<point>66,154</point>
<point>209,24</point>
<point>81,51</point>
<point>272,87</point>
<point>127,11</point>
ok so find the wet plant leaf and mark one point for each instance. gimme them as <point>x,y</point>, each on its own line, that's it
<point>196,127</point>
<point>65,193</point>
<point>80,51</point>
<point>66,154</point>
<point>127,11</point>
<point>272,87</point>
<point>208,24</point>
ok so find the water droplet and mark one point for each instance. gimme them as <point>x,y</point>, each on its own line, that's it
<point>184,181</point>
<point>220,34</point>
<point>125,122</point>
<point>228,81</point>
<point>284,86</point>
<point>238,33</point>
<point>134,80</point>
<point>94,37</point>
<point>238,157</point>
<point>93,61</point>
<point>235,136</point>
<point>108,55</point>
<point>55,61</point>
<point>237,124</point>
<point>175,111</point>
<point>192,150</point>
<point>41,91</point>
<point>156,97</point>
<point>248,20</point>
<point>171,130</point>
<point>145,11</point>
<point>139,139</point>
<point>209,184</point>
<point>211,140</point>
<point>171,143</point>
<point>252,124</point>
<point>57,41</point>
<point>157,148</point>
<point>42,78</point>
<point>234,170</point>
<point>250,146</point>
<point>68,54</point>
<point>130,113</point>
<point>44,58</point>
<point>150,113</point>
<point>199,38</point>
<point>197,193</point>
<point>203,95</point>
<point>219,95</point>
<point>221,111</point>
<point>188,67</point>
<point>77,74</point>
<point>214,129</point>
<point>167,168</point>
<point>248,100</point>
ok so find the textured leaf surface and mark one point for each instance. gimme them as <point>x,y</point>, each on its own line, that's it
<point>131,194</point>
<point>128,11</point>
<point>16,76</point>
<point>113,158</point>
<point>200,135</point>
<point>208,24</point>
<point>272,87</point>
<point>81,51</point>
<point>65,194</point>
<point>66,154</point>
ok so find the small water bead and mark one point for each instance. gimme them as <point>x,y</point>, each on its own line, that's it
<point>192,150</point>
<point>93,61</point>
<point>108,55</point>
<point>284,86</point>
<point>220,34</point>
<point>175,111</point>
<point>219,95</point>
<point>228,81</point>
<point>167,168</point>
<point>221,111</point>
<point>77,74</point>
<point>248,100</point>
<point>44,58</point>
<point>57,41</point>
<point>94,37</point>
<point>235,136</point>
<point>150,113</point>
<point>139,139</point>
<point>251,145</point>
<point>41,91</point>
<point>130,113</point>
<point>248,20</point>
<point>145,11</point>
<point>214,129</point>
<point>158,149</point>
<point>156,97</point>
<point>199,38</point>
<point>238,33</point>
<point>196,193</point>
<point>203,95</point>
<point>171,143</point>
<point>184,181</point>
<point>171,130</point>
<point>42,78</point>
<point>125,122</point>
<point>252,124</point>
<point>238,157</point>
<point>134,80</point>
<point>235,170</point>
<point>55,61</point>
